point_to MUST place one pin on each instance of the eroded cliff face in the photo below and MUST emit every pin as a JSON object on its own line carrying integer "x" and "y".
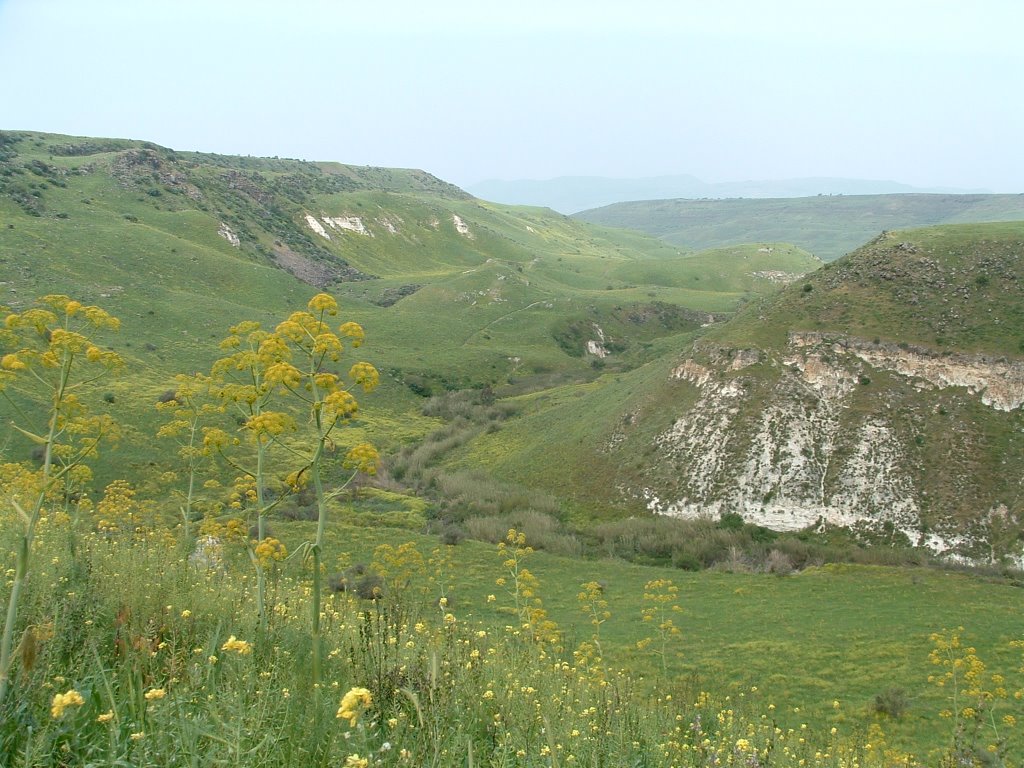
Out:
{"x": 831, "y": 430}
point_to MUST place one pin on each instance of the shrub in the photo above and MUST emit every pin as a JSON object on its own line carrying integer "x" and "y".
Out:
{"x": 452, "y": 535}
{"x": 730, "y": 521}
{"x": 169, "y": 396}
{"x": 892, "y": 702}
{"x": 778, "y": 563}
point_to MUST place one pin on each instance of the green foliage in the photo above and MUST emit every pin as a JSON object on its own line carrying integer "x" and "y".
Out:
{"x": 892, "y": 702}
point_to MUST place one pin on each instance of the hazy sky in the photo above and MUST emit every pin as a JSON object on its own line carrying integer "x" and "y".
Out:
{"x": 925, "y": 92}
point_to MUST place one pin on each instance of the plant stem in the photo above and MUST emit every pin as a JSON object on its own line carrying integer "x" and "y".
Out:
{"x": 25, "y": 543}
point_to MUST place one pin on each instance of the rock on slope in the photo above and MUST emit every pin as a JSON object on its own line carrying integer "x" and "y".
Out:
{"x": 884, "y": 393}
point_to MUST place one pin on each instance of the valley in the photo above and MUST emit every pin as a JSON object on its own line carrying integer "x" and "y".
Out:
{"x": 796, "y": 448}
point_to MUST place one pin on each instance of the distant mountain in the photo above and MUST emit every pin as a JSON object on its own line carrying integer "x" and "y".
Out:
{"x": 827, "y": 226}
{"x": 570, "y": 194}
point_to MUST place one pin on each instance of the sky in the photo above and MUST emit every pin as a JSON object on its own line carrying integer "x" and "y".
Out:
{"x": 924, "y": 92}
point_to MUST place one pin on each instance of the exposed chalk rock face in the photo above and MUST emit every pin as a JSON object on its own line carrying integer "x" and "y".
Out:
{"x": 693, "y": 372}
{"x": 743, "y": 358}
{"x": 390, "y": 223}
{"x": 461, "y": 226}
{"x": 774, "y": 275}
{"x": 998, "y": 381}
{"x": 596, "y": 346}
{"x": 316, "y": 226}
{"x": 800, "y": 439}
{"x": 227, "y": 234}
{"x": 1000, "y": 384}
{"x": 348, "y": 224}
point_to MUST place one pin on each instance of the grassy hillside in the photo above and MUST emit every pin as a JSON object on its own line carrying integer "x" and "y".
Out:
{"x": 900, "y": 326}
{"x": 183, "y": 245}
{"x": 568, "y": 335}
{"x": 955, "y": 287}
{"x": 827, "y": 226}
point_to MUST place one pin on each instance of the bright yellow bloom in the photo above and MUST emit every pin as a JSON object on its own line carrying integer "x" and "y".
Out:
{"x": 355, "y": 761}
{"x": 62, "y": 701}
{"x": 269, "y": 550}
{"x": 106, "y": 717}
{"x": 241, "y": 647}
{"x": 270, "y": 423}
{"x": 12, "y": 363}
{"x": 365, "y": 375}
{"x": 323, "y": 302}
{"x": 364, "y": 458}
{"x": 327, "y": 344}
{"x": 153, "y": 694}
{"x": 353, "y": 704}
{"x": 341, "y": 404}
{"x": 285, "y": 374}
{"x": 353, "y": 331}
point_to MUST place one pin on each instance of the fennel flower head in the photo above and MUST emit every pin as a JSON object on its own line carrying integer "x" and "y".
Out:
{"x": 353, "y": 704}
{"x": 62, "y": 701}
{"x": 241, "y": 647}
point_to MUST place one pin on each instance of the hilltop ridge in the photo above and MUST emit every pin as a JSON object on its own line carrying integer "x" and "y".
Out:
{"x": 826, "y": 225}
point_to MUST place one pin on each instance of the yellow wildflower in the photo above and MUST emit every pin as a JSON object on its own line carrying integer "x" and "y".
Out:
{"x": 154, "y": 694}
{"x": 12, "y": 363}
{"x": 355, "y": 761}
{"x": 323, "y": 302}
{"x": 341, "y": 403}
{"x": 354, "y": 331}
{"x": 364, "y": 458}
{"x": 241, "y": 647}
{"x": 270, "y": 549}
{"x": 62, "y": 701}
{"x": 365, "y": 375}
{"x": 353, "y": 704}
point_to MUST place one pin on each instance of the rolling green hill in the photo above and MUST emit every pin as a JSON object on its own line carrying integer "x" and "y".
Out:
{"x": 580, "y": 328}
{"x": 454, "y": 292}
{"x": 881, "y": 392}
{"x": 827, "y": 226}
{"x": 537, "y": 371}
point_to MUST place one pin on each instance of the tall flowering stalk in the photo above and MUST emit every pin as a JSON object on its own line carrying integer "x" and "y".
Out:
{"x": 314, "y": 347}
{"x": 51, "y": 356}
{"x": 244, "y": 380}
{"x": 660, "y": 597}
{"x": 186, "y": 412}
{"x": 524, "y": 588}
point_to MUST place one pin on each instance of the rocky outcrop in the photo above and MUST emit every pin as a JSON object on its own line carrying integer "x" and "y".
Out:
{"x": 226, "y": 232}
{"x": 792, "y": 440}
{"x": 998, "y": 382}
{"x": 348, "y": 223}
{"x": 461, "y": 226}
